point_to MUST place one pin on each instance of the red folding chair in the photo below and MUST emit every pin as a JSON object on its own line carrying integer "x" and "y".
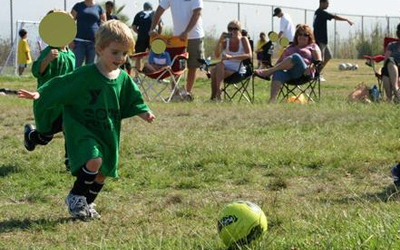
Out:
{"x": 372, "y": 61}
{"x": 155, "y": 85}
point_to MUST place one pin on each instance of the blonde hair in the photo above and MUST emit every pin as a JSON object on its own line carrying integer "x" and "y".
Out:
{"x": 236, "y": 23}
{"x": 114, "y": 31}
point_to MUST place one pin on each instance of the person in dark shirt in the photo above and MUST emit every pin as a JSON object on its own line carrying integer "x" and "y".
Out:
{"x": 267, "y": 50}
{"x": 321, "y": 16}
{"x": 88, "y": 16}
{"x": 110, "y": 10}
{"x": 141, "y": 26}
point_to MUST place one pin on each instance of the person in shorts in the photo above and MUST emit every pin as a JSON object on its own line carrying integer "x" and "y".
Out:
{"x": 188, "y": 24}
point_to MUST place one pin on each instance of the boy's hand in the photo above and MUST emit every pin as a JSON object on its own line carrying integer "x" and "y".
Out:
{"x": 148, "y": 116}
{"x": 22, "y": 93}
{"x": 52, "y": 55}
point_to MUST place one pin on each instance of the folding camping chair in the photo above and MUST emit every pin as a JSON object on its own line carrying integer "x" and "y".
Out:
{"x": 372, "y": 61}
{"x": 240, "y": 84}
{"x": 155, "y": 85}
{"x": 306, "y": 86}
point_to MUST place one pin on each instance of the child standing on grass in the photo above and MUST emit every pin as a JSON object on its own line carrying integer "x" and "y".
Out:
{"x": 52, "y": 62}
{"x": 95, "y": 99}
{"x": 24, "y": 52}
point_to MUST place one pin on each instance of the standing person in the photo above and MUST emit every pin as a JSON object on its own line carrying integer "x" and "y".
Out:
{"x": 188, "y": 24}
{"x": 24, "y": 52}
{"x": 109, "y": 11}
{"x": 141, "y": 26}
{"x": 95, "y": 98}
{"x": 286, "y": 27}
{"x": 321, "y": 30}
{"x": 88, "y": 16}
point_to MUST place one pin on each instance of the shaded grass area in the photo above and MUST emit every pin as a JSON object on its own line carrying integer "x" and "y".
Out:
{"x": 320, "y": 172}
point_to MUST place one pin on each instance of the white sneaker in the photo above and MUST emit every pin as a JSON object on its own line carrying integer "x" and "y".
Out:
{"x": 77, "y": 206}
{"x": 322, "y": 79}
{"x": 92, "y": 212}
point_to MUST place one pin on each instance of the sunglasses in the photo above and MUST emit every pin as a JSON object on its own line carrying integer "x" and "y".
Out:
{"x": 232, "y": 28}
{"x": 304, "y": 34}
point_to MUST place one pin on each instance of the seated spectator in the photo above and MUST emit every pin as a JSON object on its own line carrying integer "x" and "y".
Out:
{"x": 232, "y": 48}
{"x": 295, "y": 61}
{"x": 390, "y": 70}
{"x": 157, "y": 62}
{"x": 267, "y": 50}
{"x": 259, "y": 50}
{"x": 246, "y": 34}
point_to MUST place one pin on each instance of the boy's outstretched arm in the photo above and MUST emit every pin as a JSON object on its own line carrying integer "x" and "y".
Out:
{"x": 22, "y": 93}
{"x": 147, "y": 116}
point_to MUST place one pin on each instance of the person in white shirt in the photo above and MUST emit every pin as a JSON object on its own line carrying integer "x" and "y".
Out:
{"x": 188, "y": 24}
{"x": 287, "y": 28}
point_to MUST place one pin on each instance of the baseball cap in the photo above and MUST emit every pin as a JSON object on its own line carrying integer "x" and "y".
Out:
{"x": 277, "y": 11}
{"x": 147, "y": 6}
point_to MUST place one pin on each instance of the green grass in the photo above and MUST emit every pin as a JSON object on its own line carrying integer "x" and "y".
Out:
{"x": 320, "y": 172}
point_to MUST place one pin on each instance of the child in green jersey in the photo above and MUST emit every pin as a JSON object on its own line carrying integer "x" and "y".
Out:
{"x": 95, "y": 98}
{"x": 52, "y": 62}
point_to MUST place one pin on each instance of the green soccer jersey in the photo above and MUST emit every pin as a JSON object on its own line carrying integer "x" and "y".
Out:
{"x": 63, "y": 64}
{"x": 93, "y": 109}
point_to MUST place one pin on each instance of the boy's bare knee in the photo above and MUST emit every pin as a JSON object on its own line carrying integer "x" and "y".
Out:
{"x": 100, "y": 178}
{"x": 94, "y": 165}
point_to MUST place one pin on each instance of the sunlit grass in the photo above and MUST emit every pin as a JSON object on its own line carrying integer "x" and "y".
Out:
{"x": 320, "y": 172}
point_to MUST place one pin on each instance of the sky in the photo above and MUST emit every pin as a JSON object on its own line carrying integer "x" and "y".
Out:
{"x": 217, "y": 15}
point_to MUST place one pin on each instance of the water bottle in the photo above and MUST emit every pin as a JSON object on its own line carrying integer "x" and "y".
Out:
{"x": 182, "y": 64}
{"x": 375, "y": 94}
{"x": 208, "y": 60}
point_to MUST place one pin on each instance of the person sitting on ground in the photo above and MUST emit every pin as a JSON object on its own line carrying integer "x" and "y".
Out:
{"x": 233, "y": 48}
{"x": 295, "y": 61}
{"x": 390, "y": 70}
{"x": 157, "y": 62}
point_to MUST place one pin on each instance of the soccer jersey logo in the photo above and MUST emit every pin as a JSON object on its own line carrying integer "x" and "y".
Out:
{"x": 94, "y": 94}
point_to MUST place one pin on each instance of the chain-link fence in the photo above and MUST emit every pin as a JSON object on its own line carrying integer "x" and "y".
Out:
{"x": 255, "y": 18}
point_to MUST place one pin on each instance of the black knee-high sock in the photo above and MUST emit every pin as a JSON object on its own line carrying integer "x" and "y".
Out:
{"x": 83, "y": 181}
{"x": 40, "y": 139}
{"x": 94, "y": 190}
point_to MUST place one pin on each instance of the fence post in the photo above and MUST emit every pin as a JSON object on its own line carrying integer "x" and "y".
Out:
{"x": 388, "y": 26}
{"x": 334, "y": 39}
{"x": 238, "y": 17}
{"x": 11, "y": 23}
{"x": 272, "y": 18}
{"x": 362, "y": 28}
{"x": 305, "y": 16}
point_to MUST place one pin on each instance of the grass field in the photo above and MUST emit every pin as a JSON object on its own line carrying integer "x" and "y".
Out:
{"x": 320, "y": 172}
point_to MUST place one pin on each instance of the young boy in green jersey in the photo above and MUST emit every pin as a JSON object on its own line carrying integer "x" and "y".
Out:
{"x": 52, "y": 62}
{"x": 95, "y": 99}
